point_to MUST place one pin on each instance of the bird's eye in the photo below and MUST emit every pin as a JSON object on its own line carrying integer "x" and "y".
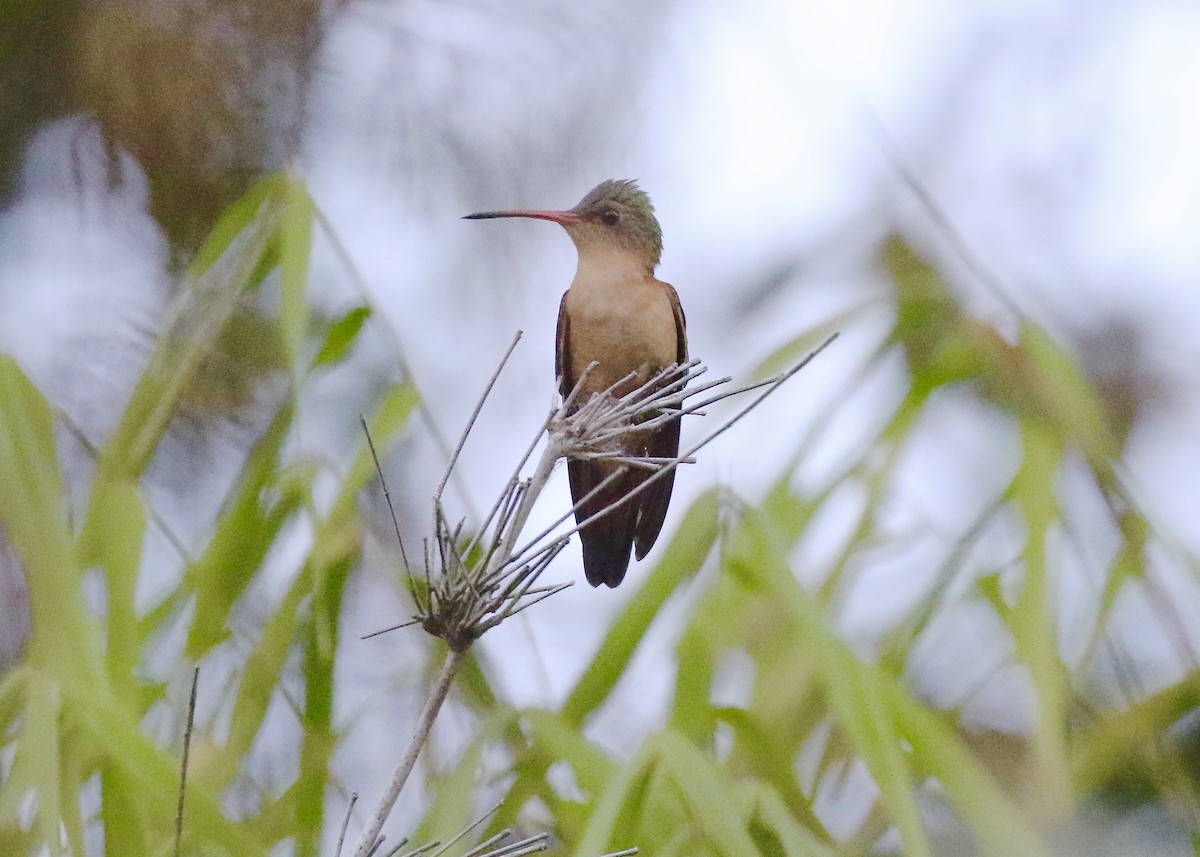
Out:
{"x": 610, "y": 216}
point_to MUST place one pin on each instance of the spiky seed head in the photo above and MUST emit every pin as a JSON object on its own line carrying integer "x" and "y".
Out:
{"x": 622, "y": 211}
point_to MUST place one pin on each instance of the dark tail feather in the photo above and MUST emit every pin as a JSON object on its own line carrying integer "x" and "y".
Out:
{"x": 608, "y": 541}
{"x": 653, "y": 511}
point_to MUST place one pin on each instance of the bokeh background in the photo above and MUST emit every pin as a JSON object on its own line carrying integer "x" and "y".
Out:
{"x": 926, "y": 178}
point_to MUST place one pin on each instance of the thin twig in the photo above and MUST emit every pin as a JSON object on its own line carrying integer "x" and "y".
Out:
{"x": 345, "y": 823}
{"x": 771, "y": 387}
{"x": 462, "y": 440}
{"x": 428, "y": 846}
{"x": 183, "y": 765}
{"x": 537, "y": 842}
{"x": 489, "y": 842}
{"x": 468, "y": 829}
{"x": 454, "y": 660}
{"x": 387, "y": 497}
{"x": 584, "y": 500}
{"x": 396, "y": 848}
{"x": 407, "y": 624}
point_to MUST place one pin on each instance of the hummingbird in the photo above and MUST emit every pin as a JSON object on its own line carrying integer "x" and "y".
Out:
{"x": 617, "y": 314}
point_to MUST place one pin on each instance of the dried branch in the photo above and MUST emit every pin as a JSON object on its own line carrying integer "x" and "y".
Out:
{"x": 471, "y": 588}
{"x": 368, "y": 840}
{"x": 345, "y": 823}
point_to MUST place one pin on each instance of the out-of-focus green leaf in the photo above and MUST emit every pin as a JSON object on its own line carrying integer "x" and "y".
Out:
{"x": 1118, "y": 740}
{"x": 259, "y": 679}
{"x": 317, "y": 745}
{"x": 772, "y": 813}
{"x": 249, "y": 524}
{"x": 74, "y": 772}
{"x": 1032, "y": 618}
{"x": 557, "y": 739}
{"x": 682, "y": 559}
{"x": 937, "y": 752}
{"x": 236, "y": 218}
{"x": 336, "y": 548}
{"x": 453, "y": 801}
{"x": 36, "y": 764}
{"x": 851, "y": 688}
{"x": 395, "y": 407}
{"x": 330, "y": 543}
{"x": 624, "y": 792}
{"x": 341, "y": 336}
{"x": 146, "y": 771}
{"x": 1066, "y": 394}
{"x": 773, "y": 763}
{"x": 706, "y": 795}
{"x": 33, "y": 510}
{"x": 124, "y": 526}
{"x": 930, "y": 326}
{"x": 295, "y": 232}
{"x": 785, "y": 356}
{"x": 33, "y": 500}
{"x": 12, "y": 693}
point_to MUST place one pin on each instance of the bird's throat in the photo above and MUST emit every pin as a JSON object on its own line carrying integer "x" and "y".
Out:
{"x": 621, "y": 318}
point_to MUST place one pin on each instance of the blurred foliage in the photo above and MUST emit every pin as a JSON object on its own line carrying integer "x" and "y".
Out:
{"x": 717, "y": 778}
{"x": 75, "y": 711}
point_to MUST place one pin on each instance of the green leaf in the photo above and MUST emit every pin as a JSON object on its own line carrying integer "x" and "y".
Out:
{"x": 236, "y": 219}
{"x": 773, "y": 813}
{"x": 785, "y": 356}
{"x": 453, "y": 800}
{"x": 151, "y": 776}
{"x": 341, "y": 336}
{"x": 1118, "y": 741}
{"x": 1064, "y": 393}
{"x": 1032, "y": 618}
{"x": 248, "y": 526}
{"x": 33, "y": 505}
{"x": 124, "y": 525}
{"x": 773, "y": 762}
{"x": 36, "y": 765}
{"x": 706, "y": 795}
{"x": 259, "y": 679}
{"x": 1000, "y": 826}
{"x": 295, "y": 232}
{"x": 852, "y": 688}
{"x": 624, "y": 792}
{"x": 685, "y": 553}
{"x": 553, "y": 737}
{"x": 319, "y": 739}
{"x": 33, "y": 510}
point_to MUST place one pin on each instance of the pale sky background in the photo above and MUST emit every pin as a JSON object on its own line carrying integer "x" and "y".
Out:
{"x": 1059, "y": 138}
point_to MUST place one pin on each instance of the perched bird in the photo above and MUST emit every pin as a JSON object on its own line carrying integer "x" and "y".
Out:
{"x": 619, "y": 315}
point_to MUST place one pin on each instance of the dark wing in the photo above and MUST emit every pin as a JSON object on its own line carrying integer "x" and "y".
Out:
{"x": 562, "y": 350}
{"x": 662, "y": 443}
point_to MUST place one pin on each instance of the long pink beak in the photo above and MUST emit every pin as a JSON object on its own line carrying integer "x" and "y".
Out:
{"x": 565, "y": 218}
